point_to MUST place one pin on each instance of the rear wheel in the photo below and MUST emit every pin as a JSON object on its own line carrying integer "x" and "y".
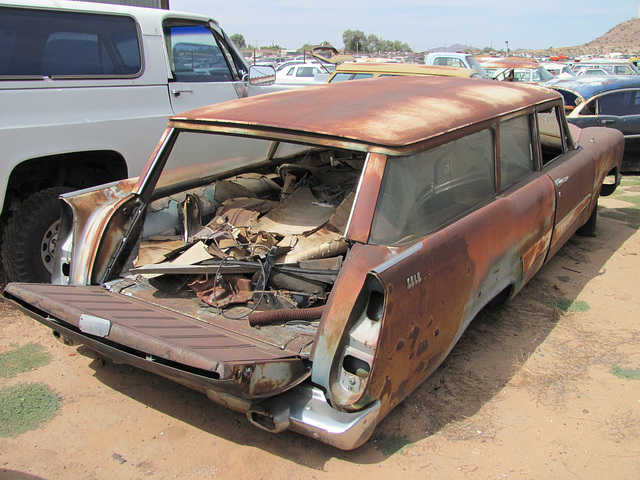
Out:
{"x": 589, "y": 228}
{"x": 30, "y": 237}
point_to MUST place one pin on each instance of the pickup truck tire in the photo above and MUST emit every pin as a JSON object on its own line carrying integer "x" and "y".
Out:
{"x": 30, "y": 237}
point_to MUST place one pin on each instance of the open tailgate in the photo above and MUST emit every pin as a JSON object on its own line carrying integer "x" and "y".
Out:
{"x": 189, "y": 351}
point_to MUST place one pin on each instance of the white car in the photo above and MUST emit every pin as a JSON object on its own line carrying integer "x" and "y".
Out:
{"x": 560, "y": 70}
{"x": 302, "y": 74}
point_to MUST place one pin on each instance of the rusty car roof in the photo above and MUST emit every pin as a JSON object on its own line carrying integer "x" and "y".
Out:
{"x": 391, "y": 113}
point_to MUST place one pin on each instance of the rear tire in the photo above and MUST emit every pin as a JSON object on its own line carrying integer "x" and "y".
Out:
{"x": 589, "y": 228}
{"x": 30, "y": 237}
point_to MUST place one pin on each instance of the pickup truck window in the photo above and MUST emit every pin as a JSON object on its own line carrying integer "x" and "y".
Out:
{"x": 449, "y": 62}
{"x": 197, "y": 56}
{"x": 68, "y": 44}
{"x": 516, "y": 152}
{"x": 423, "y": 192}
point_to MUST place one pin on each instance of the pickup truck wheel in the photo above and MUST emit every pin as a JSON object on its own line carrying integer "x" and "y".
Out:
{"x": 30, "y": 237}
{"x": 589, "y": 228}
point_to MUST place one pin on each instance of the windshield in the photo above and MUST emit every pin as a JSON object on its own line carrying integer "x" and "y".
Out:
{"x": 197, "y": 157}
{"x": 541, "y": 74}
{"x": 476, "y": 66}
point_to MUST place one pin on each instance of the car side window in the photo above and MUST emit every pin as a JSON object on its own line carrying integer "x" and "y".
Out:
{"x": 620, "y": 103}
{"x": 68, "y": 44}
{"x": 553, "y": 139}
{"x": 420, "y": 193}
{"x": 589, "y": 108}
{"x": 306, "y": 72}
{"x": 449, "y": 61}
{"x": 516, "y": 150}
{"x": 196, "y": 55}
{"x": 341, "y": 77}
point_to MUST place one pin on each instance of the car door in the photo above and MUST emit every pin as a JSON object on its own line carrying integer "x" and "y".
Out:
{"x": 621, "y": 110}
{"x": 573, "y": 175}
{"x": 203, "y": 68}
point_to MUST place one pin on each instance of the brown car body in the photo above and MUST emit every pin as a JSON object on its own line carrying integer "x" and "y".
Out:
{"x": 451, "y": 194}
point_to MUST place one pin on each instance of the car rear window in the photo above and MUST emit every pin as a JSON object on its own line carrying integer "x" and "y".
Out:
{"x": 47, "y": 43}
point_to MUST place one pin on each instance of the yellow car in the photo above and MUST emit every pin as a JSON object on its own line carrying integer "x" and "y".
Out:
{"x": 355, "y": 71}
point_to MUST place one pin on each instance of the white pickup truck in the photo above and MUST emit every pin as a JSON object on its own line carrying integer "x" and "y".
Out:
{"x": 455, "y": 59}
{"x": 86, "y": 90}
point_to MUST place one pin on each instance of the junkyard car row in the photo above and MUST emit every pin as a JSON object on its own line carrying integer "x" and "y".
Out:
{"x": 310, "y": 257}
{"x": 612, "y": 101}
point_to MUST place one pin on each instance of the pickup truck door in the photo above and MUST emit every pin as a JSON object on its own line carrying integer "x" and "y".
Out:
{"x": 203, "y": 69}
{"x": 573, "y": 175}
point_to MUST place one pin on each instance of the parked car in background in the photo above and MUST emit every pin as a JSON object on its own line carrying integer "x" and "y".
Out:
{"x": 515, "y": 69}
{"x": 609, "y": 101}
{"x": 86, "y": 90}
{"x": 591, "y": 72}
{"x": 455, "y": 59}
{"x": 303, "y": 74}
{"x": 610, "y": 67}
{"x": 288, "y": 63}
{"x": 356, "y": 71}
{"x": 310, "y": 257}
{"x": 560, "y": 70}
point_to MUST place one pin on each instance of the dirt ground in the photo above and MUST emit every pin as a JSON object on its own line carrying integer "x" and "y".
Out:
{"x": 534, "y": 390}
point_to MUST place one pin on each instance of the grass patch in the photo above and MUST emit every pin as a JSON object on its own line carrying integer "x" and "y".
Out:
{"x": 23, "y": 359}
{"x": 566, "y": 305}
{"x": 25, "y": 407}
{"x": 626, "y": 373}
{"x": 629, "y": 191}
{"x": 629, "y": 216}
{"x": 390, "y": 444}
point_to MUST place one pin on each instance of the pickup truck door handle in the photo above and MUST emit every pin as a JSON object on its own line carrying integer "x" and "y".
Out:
{"x": 177, "y": 92}
{"x": 604, "y": 121}
{"x": 560, "y": 181}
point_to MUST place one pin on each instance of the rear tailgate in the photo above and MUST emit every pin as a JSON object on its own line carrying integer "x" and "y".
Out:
{"x": 197, "y": 354}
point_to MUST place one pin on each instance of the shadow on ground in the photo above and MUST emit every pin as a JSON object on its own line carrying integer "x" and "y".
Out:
{"x": 482, "y": 363}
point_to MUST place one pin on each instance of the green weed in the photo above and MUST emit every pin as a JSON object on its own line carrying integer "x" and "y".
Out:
{"x": 23, "y": 359}
{"x": 626, "y": 373}
{"x": 25, "y": 407}
{"x": 566, "y": 305}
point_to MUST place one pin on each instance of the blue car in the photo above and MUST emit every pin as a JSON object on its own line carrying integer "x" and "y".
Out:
{"x": 609, "y": 101}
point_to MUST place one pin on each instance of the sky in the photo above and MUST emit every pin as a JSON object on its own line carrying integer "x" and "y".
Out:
{"x": 422, "y": 24}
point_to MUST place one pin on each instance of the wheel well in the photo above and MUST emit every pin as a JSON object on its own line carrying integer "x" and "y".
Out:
{"x": 75, "y": 170}
{"x": 501, "y": 298}
{"x": 611, "y": 181}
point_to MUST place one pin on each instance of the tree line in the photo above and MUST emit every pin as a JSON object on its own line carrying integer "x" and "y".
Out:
{"x": 355, "y": 41}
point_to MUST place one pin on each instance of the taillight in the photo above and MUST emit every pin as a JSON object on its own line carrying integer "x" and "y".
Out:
{"x": 351, "y": 373}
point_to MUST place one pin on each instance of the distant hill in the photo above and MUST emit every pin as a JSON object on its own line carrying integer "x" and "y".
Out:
{"x": 623, "y": 38}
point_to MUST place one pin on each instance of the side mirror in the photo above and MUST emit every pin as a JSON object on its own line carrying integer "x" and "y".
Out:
{"x": 262, "y": 75}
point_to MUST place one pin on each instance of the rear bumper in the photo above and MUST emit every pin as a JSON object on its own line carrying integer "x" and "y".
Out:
{"x": 303, "y": 408}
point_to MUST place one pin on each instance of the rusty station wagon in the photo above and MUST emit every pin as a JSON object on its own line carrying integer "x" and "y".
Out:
{"x": 310, "y": 257}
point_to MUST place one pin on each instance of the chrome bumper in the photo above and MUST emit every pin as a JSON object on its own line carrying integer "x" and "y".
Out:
{"x": 304, "y": 409}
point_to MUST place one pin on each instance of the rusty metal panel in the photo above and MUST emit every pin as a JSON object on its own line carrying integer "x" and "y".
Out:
{"x": 146, "y": 327}
{"x": 365, "y": 204}
{"x": 389, "y": 112}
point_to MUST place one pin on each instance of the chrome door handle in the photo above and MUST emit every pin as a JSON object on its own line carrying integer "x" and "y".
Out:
{"x": 176, "y": 92}
{"x": 560, "y": 181}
